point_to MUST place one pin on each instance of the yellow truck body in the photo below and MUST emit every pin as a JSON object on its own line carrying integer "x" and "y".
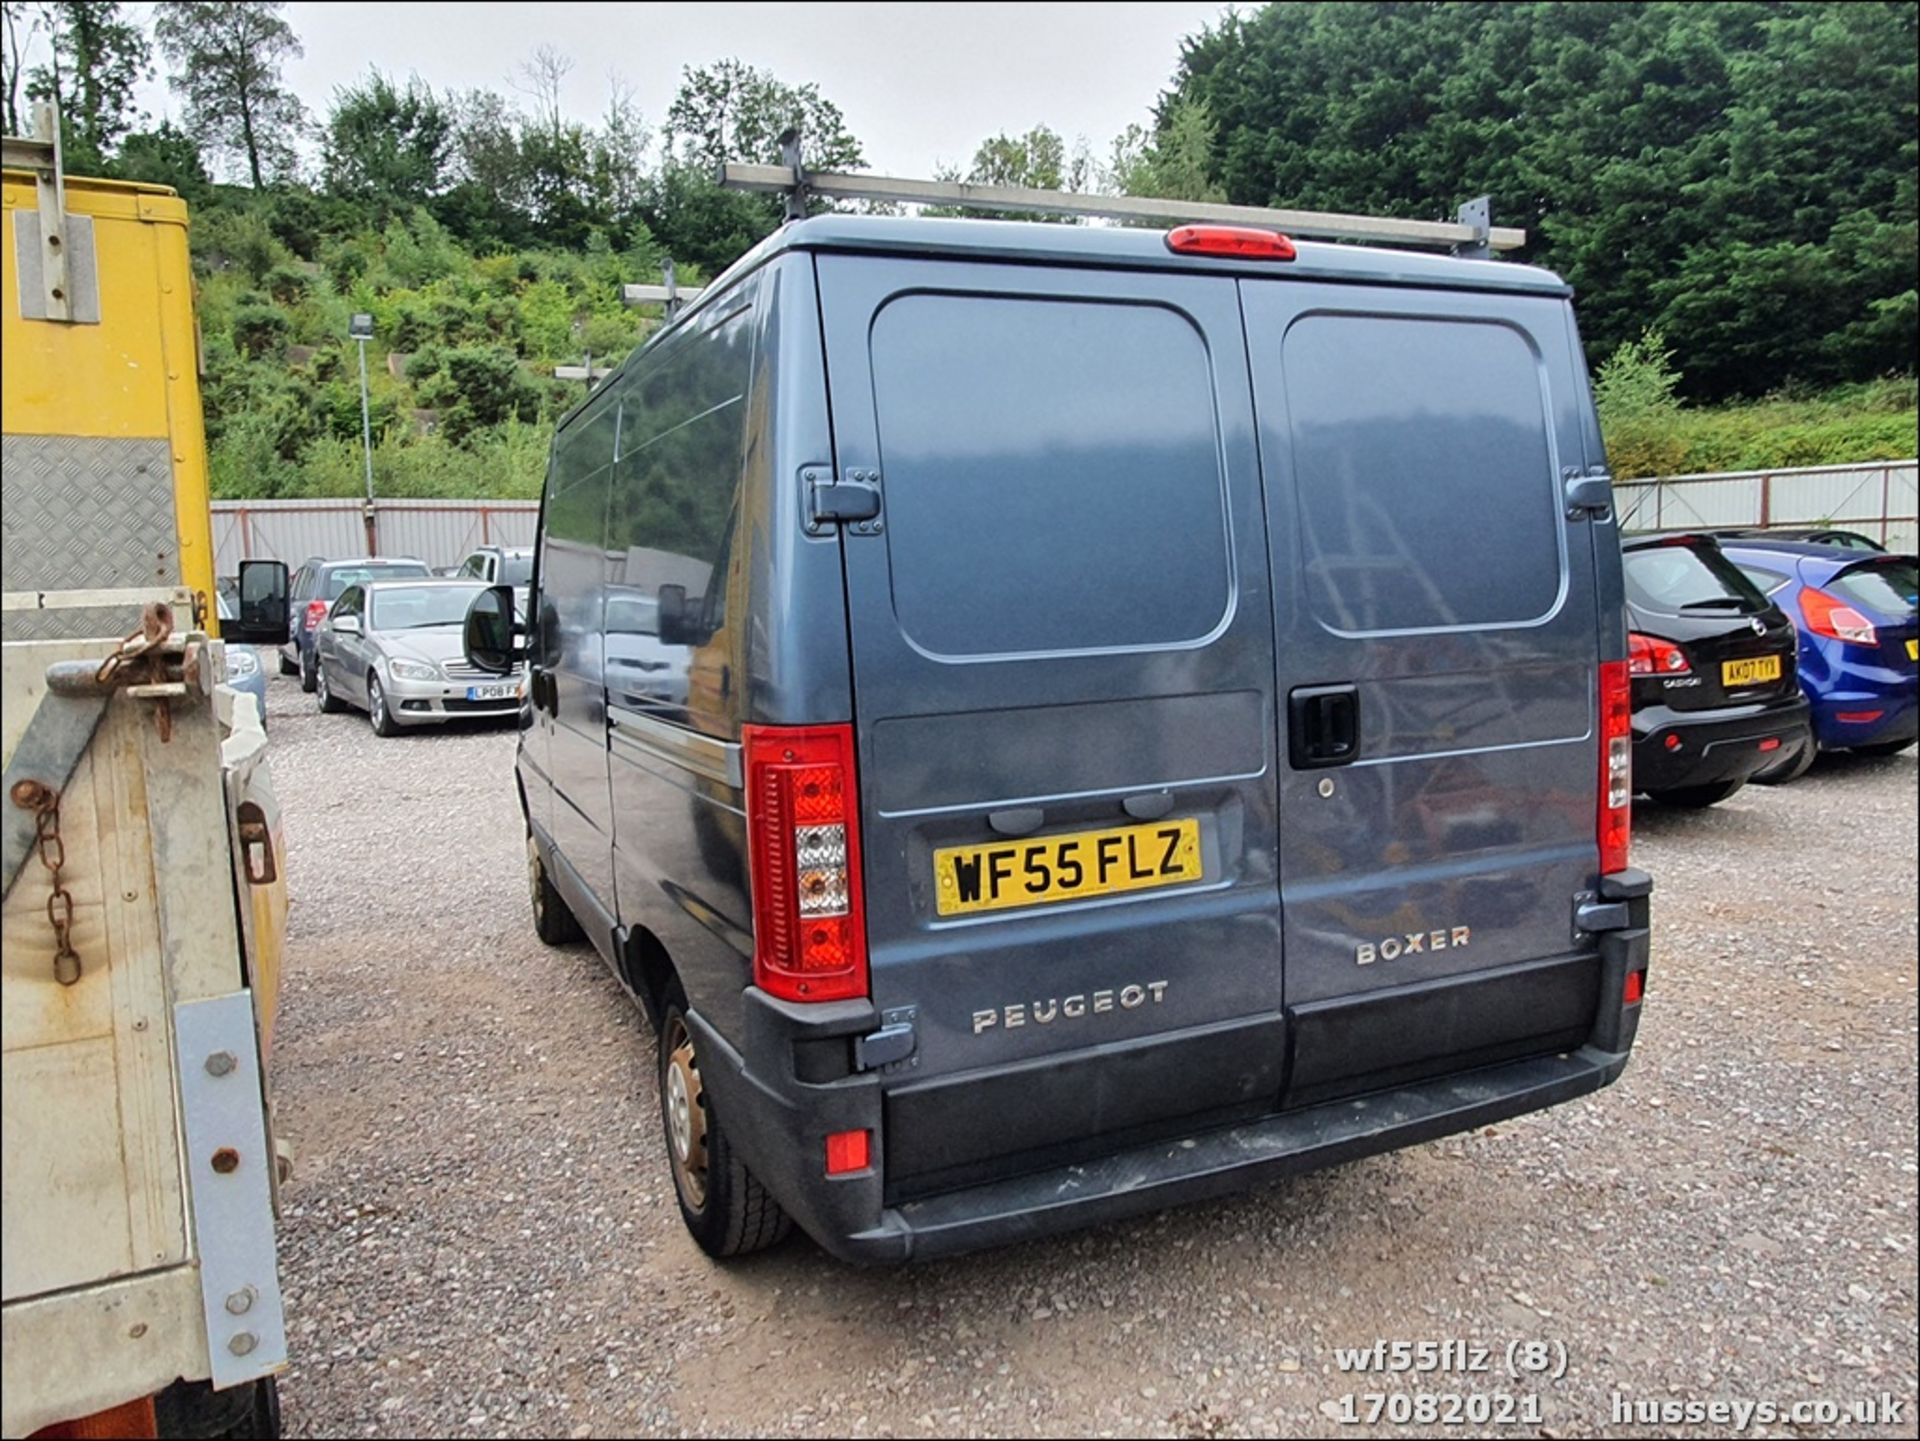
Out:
{"x": 140, "y": 1172}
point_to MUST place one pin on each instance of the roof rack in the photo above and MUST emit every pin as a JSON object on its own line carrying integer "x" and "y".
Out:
{"x": 1472, "y": 234}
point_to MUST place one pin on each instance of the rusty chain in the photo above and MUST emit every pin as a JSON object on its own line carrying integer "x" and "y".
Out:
{"x": 44, "y": 802}
{"x": 141, "y": 657}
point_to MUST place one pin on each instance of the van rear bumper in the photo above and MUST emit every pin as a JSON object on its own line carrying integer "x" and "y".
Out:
{"x": 779, "y": 1129}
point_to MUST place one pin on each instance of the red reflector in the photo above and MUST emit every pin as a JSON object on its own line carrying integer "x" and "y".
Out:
{"x": 848, "y": 1151}
{"x": 1615, "y": 801}
{"x": 1636, "y": 988}
{"x": 1243, "y": 242}
{"x": 803, "y": 830}
{"x": 1771, "y": 743}
{"x": 1858, "y": 717}
{"x": 1672, "y": 743}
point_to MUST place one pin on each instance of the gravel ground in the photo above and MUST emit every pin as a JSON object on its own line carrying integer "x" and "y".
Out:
{"x": 480, "y": 1236}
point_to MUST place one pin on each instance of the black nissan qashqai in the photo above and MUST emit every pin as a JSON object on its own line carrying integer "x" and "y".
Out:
{"x": 1715, "y": 694}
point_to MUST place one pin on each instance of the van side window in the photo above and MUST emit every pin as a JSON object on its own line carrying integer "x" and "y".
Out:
{"x": 675, "y": 485}
{"x": 1055, "y": 462}
{"x": 1425, "y": 478}
{"x": 573, "y": 564}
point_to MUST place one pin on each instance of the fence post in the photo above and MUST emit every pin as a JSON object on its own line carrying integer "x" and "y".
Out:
{"x": 1886, "y": 502}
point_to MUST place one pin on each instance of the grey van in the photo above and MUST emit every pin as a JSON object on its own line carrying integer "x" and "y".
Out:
{"x": 1051, "y": 722}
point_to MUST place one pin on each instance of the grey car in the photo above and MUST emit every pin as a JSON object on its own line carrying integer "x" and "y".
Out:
{"x": 392, "y": 648}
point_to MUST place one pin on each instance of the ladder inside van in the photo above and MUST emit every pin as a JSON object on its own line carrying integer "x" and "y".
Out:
{"x": 1471, "y": 234}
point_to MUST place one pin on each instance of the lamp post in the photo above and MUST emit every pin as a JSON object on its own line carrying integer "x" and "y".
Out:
{"x": 360, "y": 328}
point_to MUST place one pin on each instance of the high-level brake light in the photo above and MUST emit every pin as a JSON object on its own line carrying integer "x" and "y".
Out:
{"x": 1615, "y": 822}
{"x": 803, "y": 829}
{"x": 1235, "y": 242}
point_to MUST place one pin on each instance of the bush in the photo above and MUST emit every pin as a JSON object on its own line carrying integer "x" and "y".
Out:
{"x": 259, "y": 330}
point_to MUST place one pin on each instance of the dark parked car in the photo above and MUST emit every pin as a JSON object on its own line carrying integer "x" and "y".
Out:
{"x": 1817, "y": 535}
{"x": 1715, "y": 696}
{"x": 1858, "y": 642}
{"x": 312, "y": 592}
{"x": 1039, "y": 717}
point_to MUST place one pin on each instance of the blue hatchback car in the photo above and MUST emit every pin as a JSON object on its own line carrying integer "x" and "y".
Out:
{"x": 1856, "y": 614}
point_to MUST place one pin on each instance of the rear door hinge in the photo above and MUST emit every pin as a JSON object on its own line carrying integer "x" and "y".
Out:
{"x": 892, "y": 1047}
{"x": 852, "y": 500}
{"x": 1591, "y": 914}
{"x": 1588, "y": 492}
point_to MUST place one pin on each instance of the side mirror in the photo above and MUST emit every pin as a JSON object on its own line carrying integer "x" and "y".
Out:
{"x": 345, "y": 624}
{"x": 489, "y": 632}
{"x": 679, "y": 617}
{"x": 263, "y": 604}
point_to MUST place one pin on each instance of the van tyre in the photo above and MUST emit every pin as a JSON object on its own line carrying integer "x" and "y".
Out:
{"x": 727, "y": 1211}
{"x": 194, "y": 1411}
{"x": 1697, "y": 798}
{"x": 553, "y": 919}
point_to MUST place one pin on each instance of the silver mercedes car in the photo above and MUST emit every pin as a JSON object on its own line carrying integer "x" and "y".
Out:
{"x": 393, "y": 649}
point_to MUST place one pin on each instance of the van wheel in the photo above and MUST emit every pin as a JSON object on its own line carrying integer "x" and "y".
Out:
{"x": 1883, "y": 748}
{"x": 1791, "y": 769}
{"x": 1697, "y": 798}
{"x": 553, "y": 919}
{"x": 193, "y": 1409}
{"x": 727, "y": 1210}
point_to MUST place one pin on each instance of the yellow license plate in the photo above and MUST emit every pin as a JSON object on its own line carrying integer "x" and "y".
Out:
{"x": 1751, "y": 671}
{"x": 1071, "y": 867}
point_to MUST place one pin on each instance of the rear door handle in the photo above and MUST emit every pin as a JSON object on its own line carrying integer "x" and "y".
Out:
{"x": 1323, "y": 725}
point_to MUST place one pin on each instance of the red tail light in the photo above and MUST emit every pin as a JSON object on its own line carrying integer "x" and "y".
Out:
{"x": 803, "y": 829}
{"x": 1616, "y": 766}
{"x": 1236, "y": 242}
{"x": 1832, "y": 617}
{"x": 1650, "y": 655}
{"x": 316, "y": 612}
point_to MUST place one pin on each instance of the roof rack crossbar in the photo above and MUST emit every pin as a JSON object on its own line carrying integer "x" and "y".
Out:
{"x": 1472, "y": 234}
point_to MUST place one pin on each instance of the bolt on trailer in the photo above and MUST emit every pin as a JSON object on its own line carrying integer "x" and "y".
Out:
{"x": 1051, "y": 721}
{"x": 144, "y": 905}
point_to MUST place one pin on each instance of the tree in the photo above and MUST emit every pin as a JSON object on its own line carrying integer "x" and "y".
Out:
{"x": 98, "y": 56}
{"x": 732, "y": 111}
{"x": 22, "y": 21}
{"x": 227, "y": 57}
{"x": 166, "y": 155}
{"x": 1173, "y": 163}
{"x": 1740, "y": 175}
{"x": 387, "y": 148}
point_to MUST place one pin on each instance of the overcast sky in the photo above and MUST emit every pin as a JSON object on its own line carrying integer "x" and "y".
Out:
{"x": 919, "y": 84}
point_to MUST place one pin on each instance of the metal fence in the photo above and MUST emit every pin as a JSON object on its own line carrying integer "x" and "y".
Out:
{"x": 1878, "y": 498}
{"x": 439, "y": 532}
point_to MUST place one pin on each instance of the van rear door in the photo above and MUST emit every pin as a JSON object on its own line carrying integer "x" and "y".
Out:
{"x": 1438, "y": 639}
{"x": 1063, "y": 675}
